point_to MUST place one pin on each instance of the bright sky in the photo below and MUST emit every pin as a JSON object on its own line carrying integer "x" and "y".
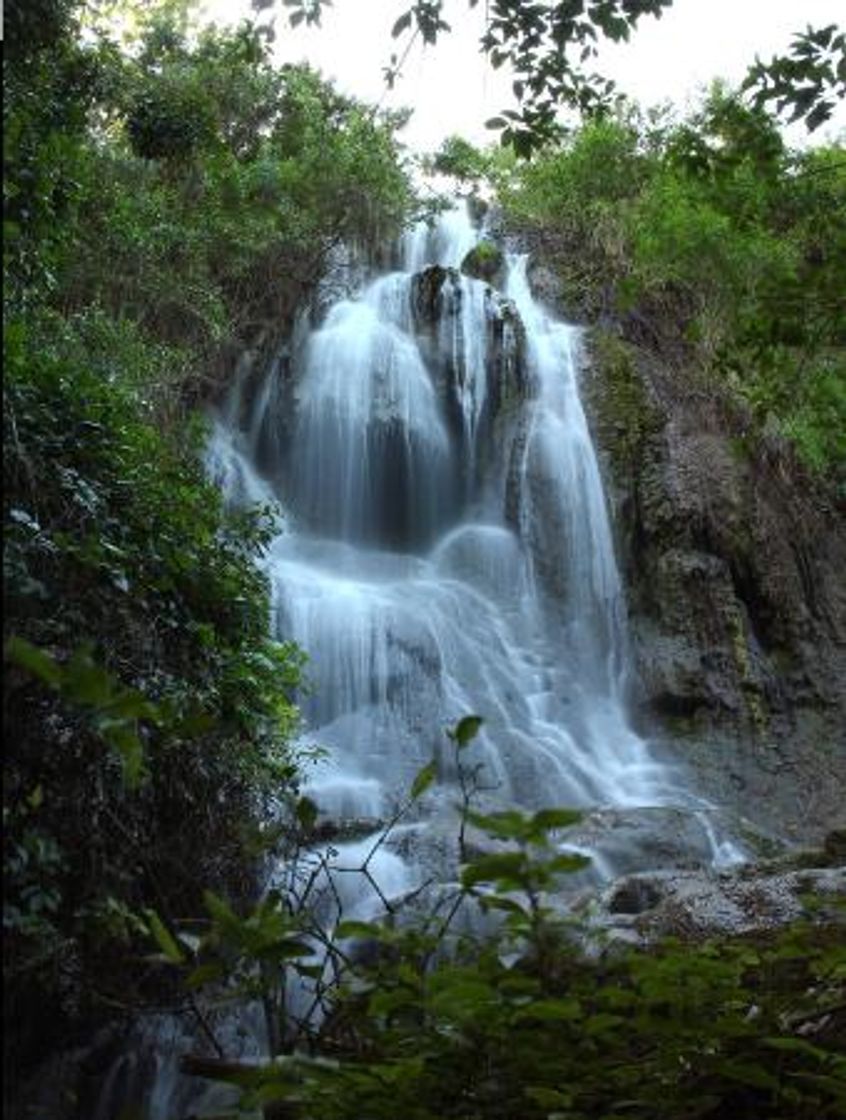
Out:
{"x": 452, "y": 90}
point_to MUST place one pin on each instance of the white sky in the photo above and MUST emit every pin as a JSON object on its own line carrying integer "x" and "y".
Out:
{"x": 453, "y": 90}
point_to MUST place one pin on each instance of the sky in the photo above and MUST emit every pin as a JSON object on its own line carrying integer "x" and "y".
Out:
{"x": 453, "y": 90}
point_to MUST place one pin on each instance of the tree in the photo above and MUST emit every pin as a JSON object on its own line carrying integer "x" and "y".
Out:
{"x": 807, "y": 81}
{"x": 548, "y": 45}
{"x": 163, "y": 203}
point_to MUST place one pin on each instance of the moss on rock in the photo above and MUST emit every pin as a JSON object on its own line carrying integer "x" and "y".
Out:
{"x": 485, "y": 262}
{"x": 623, "y": 414}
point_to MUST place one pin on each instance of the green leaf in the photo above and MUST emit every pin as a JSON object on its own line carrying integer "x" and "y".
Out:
{"x": 310, "y": 971}
{"x": 424, "y": 779}
{"x": 208, "y": 973}
{"x": 567, "y": 863}
{"x": 797, "y": 1046}
{"x": 124, "y": 740}
{"x": 34, "y": 660}
{"x": 557, "y": 818}
{"x": 288, "y": 948}
{"x": 602, "y": 1023}
{"x": 747, "y": 1074}
{"x": 832, "y": 1084}
{"x": 506, "y": 869}
{"x": 402, "y": 24}
{"x": 548, "y": 1098}
{"x": 221, "y": 911}
{"x": 359, "y": 929}
{"x": 549, "y": 1011}
{"x": 462, "y": 997}
{"x": 466, "y": 730}
{"x": 164, "y": 938}
{"x": 509, "y": 824}
{"x": 306, "y": 813}
{"x": 507, "y": 905}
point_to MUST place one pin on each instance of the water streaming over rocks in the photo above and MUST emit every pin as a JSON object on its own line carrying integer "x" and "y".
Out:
{"x": 449, "y": 552}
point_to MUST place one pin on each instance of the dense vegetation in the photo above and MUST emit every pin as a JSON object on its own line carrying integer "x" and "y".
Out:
{"x": 169, "y": 202}
{"x": 165, "y": 202}
{"x": 709, "y": 241}
{"x": 538, "y": 1017}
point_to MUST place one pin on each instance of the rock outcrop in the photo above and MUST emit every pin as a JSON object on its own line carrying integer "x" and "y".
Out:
{"x": 734, "y": 565}
{"x": 485, "y": 262}
{"x": 695, "y": 905}
{"x": 437, "y": 300}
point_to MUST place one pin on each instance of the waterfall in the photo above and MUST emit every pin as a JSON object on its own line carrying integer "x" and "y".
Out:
{"x": 446, "y": 550}
{"x": 449, "y": 551}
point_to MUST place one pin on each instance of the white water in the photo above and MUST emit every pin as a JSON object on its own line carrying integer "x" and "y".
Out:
{"x": 452, "y": 554}
{"x": 447, "y": 551}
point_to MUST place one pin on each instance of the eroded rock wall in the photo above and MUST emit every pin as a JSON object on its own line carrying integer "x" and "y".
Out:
{"x": 735, "y": 568}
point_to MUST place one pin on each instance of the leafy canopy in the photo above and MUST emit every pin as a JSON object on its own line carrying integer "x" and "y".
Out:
{"x": 548, "y": 45}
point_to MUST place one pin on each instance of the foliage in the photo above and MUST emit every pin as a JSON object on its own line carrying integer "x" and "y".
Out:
{"x": 714, "y": 241}
{"x": 546, "y": 46}
{"x": 141, "y": 684}
{"x": 167, "y": 197}
{"x": 191, "y": 186}
{"x": 461, "y": 160}
{"x": 807, "y": 81}
{"x": 30, "y": 26}
{"x": 536, "y": 1017}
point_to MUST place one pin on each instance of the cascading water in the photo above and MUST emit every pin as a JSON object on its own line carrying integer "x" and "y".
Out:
{"x": 450, "y": 553}
{"x": 447, "y": 551}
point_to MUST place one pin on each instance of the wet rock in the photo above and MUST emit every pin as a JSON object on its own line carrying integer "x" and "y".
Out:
{"x": 426, "y": 288}
{"x": 732, "y": 561}
{"x": 622, "y": 840}
{"x": 634, "y": 896}
{"x": 346, "y": 270}
{"x": 509, "y": 381}
{"x": 546, "y": 285}
{"x": 698, "y": 904}
{"x": 478, "y": 208}
{"x": 438, "y": 296}
{"x": 345, "y": 830}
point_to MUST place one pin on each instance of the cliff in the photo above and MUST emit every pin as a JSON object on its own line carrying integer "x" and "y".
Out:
{"x": 733, "y": 559}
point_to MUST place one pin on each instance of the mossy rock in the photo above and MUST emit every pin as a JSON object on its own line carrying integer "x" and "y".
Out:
{"x": 485, "y": 262}
{"x": 624, "y": 415}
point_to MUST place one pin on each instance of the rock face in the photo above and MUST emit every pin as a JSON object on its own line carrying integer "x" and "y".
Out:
{"x": 734, "y": 567}
{"x": 438, "y": 298}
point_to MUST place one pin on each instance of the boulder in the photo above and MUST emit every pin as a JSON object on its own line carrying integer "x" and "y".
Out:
{"x": 486, "y": 261}
{"x": 695, "y": 905}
